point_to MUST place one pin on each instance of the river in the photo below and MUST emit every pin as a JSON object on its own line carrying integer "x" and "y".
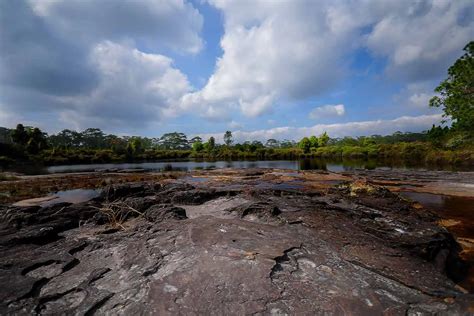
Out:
{"x": 188, "y": 165}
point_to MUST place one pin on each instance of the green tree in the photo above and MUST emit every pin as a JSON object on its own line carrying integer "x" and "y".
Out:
{"x": 323, "y": 139}
{"x": 136, "y": 146}
{"x": 196, "y": 139}
{"x": 305, "y": 144}
{"x": 174, "y": 141}
{"x": 20, "y": 135}
{"x": 272, "y": 143}
{"x": 456, "y": 93}
{"x": 314, "y": 141}
{"x": 211, "y": 143}
{"x": 228, "y": 138}
{"x": 198, "y": 146}
{"x": 36, "y": 141}
{"x": 93, "y": 138}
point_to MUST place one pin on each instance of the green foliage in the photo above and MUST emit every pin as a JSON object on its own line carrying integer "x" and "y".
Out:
{"x": 198, "y": 146}
{"x": 174, "y": 141}
{"x": 314, "y": 142}
{"x": 228, "y": 139}
{"x": 456, "y": 93}
{"x": 272, "y": 143}
{"x": 70, "y": 147}
{"x": 210, "y": 145}
{"x": 323, "y": 139}
{"x": 305, "y": 145}
{"x": 20, "y": 135}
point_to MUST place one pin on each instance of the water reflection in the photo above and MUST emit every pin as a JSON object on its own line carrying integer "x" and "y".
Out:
{"x": 338, "y": 165}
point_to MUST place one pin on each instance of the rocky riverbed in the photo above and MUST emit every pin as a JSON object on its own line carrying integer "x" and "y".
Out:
{"x": 234, "y": 242}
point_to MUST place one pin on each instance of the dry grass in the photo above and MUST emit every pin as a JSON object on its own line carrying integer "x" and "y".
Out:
{"x": 117, "y": 212}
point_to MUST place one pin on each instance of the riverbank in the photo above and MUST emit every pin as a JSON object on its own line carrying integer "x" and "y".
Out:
{"x": 412, "y": 153}
{"x": 340, "y": 241}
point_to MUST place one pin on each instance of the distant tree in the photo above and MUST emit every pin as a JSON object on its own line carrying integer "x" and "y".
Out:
{"x": 210, "y": 145}
{"x": 136, "y": 145}
{"x": 20, "y": 135}
{"x": 314, "y": 141}
{"x": 93, "y": 138}
{"x": 305, "y": 144}
{"x": 36, "y": 141}
{"x": 287, "y": 143}
{"x": 436, "y": 134}
{"x": 272, "y": 143}
{"x": 228, "y": 139}
{"x": 457, "y": 92}
{"x": 323, "y": 139}
{"x": 195, "y": 139}
{"x": 174, "y": 141}
{"x": 198, "y": 146}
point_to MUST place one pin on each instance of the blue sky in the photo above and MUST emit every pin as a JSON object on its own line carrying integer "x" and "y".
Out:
{"x": 282, "y": 69}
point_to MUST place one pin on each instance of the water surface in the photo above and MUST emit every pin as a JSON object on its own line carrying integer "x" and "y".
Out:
{"x": 188, "y": 165}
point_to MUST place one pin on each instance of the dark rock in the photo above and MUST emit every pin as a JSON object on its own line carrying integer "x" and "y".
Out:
{"x": 260, "y": 211}
{"x": 333, "y": 254}
{"x": 194, "y": 197}
{"x": 140, "y": 204}
{"x": 161, "y": 212}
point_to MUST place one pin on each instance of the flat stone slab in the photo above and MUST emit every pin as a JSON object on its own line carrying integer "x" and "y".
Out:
{"x": 230, "y": 246}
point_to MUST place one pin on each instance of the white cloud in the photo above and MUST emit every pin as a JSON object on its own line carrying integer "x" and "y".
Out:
{"x": 174, "y": 24}
{"x": 420, "y": 99}
{"x": 134, "y": 87}
{"x": 287, "y": 50}
{"x": 381, "y": 127}
{"x": 272, "y": 51}
{"x": 422, "y": 38}
{"x": 328, "y": 110}
{"x": 235, "y": 125}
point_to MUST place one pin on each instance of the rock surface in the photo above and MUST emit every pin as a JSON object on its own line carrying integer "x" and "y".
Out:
{"x": 235, "y": 242}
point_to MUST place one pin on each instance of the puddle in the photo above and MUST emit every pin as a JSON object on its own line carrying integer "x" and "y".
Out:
{"x": 192, "y": 179}
{"x": 70, "y": 196}
{"x": 457, "y": 215}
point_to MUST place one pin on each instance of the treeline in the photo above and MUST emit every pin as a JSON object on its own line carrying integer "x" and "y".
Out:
{"x": 30, "y": 144}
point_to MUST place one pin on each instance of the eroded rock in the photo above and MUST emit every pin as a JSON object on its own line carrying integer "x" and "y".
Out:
{"x": 245, "y": 248}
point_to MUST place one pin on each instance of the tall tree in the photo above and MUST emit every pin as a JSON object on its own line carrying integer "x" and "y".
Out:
{"x": 272, "y": 143}
{"x": 314, "y": 141}
{"x": 20, "y": 135}
{"x": 323, "y": 139}
{"x": 211, "y": 144}
{"x": 228, "y": 139}
{"x": 305, "y": 144}
{"x": 174, "y": 141}
{"x": 456, "y": 93}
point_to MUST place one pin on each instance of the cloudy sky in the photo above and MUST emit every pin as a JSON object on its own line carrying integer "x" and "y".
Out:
{"x": 280, "y": 69}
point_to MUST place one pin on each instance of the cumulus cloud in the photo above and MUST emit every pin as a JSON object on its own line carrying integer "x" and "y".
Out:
{"x": 88, "y": 62}
{"x": 380, "y": 127}
{"x": 171, "y": 23}
{"x": 235, "y": 125}
{"x": 328, "y": 110}
{"x": 133, "y": 87}
{"x": 272, "y": 51}
{"x": 289, "y": 50}
{"x": 75, "y": 61}
{"x": 421, "y": 39}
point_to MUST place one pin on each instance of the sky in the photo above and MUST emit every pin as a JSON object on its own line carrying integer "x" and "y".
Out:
{"x": 260, "y": 68}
